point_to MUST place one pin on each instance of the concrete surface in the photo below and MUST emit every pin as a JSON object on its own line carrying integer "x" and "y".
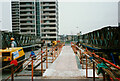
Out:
{"x": 64, "y": 66}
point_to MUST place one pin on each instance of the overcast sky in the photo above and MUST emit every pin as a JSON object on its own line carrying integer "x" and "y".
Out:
{"x": 85, "y": 16}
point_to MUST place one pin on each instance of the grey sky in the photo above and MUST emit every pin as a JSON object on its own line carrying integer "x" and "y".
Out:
{"x": 88, "y": 16}
{"x": 5, "y": 16}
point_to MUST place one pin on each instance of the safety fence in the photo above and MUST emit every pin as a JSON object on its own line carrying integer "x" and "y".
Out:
{"x": 41, "y": 57}
{"x": 109, "y": 70}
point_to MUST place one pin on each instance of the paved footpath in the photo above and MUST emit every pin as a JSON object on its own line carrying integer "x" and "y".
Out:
{"x": 65, "y": 66}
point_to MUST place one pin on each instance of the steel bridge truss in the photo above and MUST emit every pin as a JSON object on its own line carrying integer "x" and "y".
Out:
{"x": 105, "y": 38}
{"x": 21, "y": 40}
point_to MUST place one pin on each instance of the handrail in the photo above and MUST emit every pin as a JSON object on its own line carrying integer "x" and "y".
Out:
{"x": 38, "y": 55}
{"x": 104, "y": 59}
{"x": 106, "y": 70}
{"x": 13, "y": 64}
{"x": 7, "y": 66}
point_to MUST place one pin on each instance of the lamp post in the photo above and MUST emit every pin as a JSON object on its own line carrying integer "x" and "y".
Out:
{"x": 78, "y": 34}
{"x": 64, "y": 37}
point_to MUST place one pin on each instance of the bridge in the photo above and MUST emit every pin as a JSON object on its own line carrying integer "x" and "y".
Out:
{"x": 24, "y": 41}
{"x": 91, "y": 59}
{"x": 65, "y": 62}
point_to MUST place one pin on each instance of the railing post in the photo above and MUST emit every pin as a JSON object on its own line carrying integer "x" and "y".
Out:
{"x": 82, "y": 61}
{"x": 41, "y": 63}
{"x": 93, "y": 69}
{"x": 12, "y": 70}
{"x": 108, "y": 77}
{"x": 80, "y": 56}
{"x": 55, "y": 53}
{"x": 103, "y": 72}
{"x": 46, "y": 57}
{"x": 52, "y": 54}
{"x": 86, "y": 67}
{"x": 59, "y": 49}
{"x": 103, "y": 76}
{"x": 32, "y": 68}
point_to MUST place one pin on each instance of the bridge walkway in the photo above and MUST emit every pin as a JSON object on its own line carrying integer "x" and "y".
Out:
{"x": 65, "y": 66}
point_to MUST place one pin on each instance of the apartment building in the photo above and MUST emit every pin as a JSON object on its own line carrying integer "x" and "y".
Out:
{"x": 26, "y": 17}
{"x": 36, "y": 17}
{"x": 49, "y": 20}
{"x": 15, "y": 17}
{"x": 119, "y": 13}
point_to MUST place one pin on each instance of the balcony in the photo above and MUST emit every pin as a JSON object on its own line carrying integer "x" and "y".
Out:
{"x": 27, "y": 23}
{"x": 49, "y": 32}
{"x": 16, "y": 2}
{"x": 48, "y": 37}
{"x": 26, "y": 14}
{"x": 49, "y": 9}
{"x": 48, "y": 18}
{"x": 26, "y": 9}
{"x": 27, "y": 28}
{"x": 26, "y": 5}
{"x": 27, "y": 33}
{"x": 15, "y": 19}
{"x": 48, "y": 27}
{"x": 15, "y": 8}
{"x": 15, "y": 24}
{"x": 15, "y": 11}
{"x": 26, "y": 19}
{"x": 48, "y": 4}
{"x": 44, "y": 14}
{"x": 48, "y": 23}
{"x": 15, "y": 28}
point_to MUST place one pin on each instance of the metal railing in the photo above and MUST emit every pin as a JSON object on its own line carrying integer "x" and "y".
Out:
{"x": 42, "y": 56}
{"x": 96, "y": 59}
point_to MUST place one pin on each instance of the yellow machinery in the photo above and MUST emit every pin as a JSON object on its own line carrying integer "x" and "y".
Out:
{"x": 10, "y": 54}
{"x": 54, "y": 43}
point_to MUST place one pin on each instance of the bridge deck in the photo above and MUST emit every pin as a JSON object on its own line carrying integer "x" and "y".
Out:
{"x": 64, "y": 66}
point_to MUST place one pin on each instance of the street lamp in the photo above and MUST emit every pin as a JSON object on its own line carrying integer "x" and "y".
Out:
{"x": 64, "y": 37}
{"x": 78, "y": 34}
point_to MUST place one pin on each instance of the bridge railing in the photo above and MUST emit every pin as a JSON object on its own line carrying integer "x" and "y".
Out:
{"x": 97, "y": 60}
{"x": 107, "y": 38}
{"x": 21, "y": 40}
{"x": 42, "y": 55}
